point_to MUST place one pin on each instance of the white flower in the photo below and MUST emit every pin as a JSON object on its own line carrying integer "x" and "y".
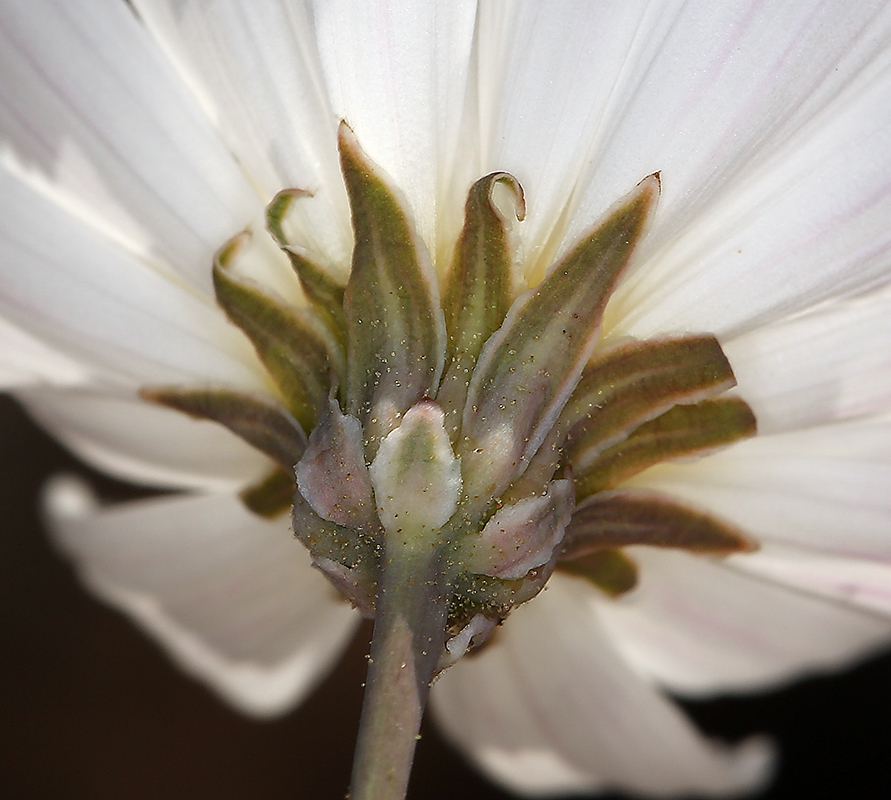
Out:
{"x": 132, "y": 148}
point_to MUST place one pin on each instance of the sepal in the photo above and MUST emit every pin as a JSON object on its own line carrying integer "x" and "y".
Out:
{"x": 685, "y": 430}
{"x": 524, "y": 535}
{"x": 272, "y": 496}
{"x": 352, "y": 562}
{"x": 632, "y": 384}
{"x": 611, "y": 520}
{"x": 530, "y": 366}
{"x": 480, "y": 287}
{"x": 298, "y": 350}
{"x": 612, "y": 571}
{"x": 416, "y": 477}
{"x": 320, "y": 288}
{"x": 332, "y": 474}
{"x": 259, "y": 422}
{"x": 394, "y": 321}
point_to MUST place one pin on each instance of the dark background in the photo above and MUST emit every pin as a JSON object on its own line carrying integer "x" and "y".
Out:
{"x": 90, "y": 708}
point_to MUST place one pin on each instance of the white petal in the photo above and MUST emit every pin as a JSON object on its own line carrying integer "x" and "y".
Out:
{"x": 95, "y": 117}
{"x": 233, "y": 598}
{"x": 145, "y": 443}
{"x": 83, "y": 296}
{"x": 799, "y": 213}
{"x": 25, "y": 360}
{"x": 858, "y": 582}
{"x": 700, "y": 626}
{"x": 827, "y": 489}
{"x": 549, "y": 707}
{"x": 705, "y": 93}
{"x": 256, "y": 69}
{"x": 550, "y": 79}
{"x": 397, "y": 72}
{"x": 830, "y": 364}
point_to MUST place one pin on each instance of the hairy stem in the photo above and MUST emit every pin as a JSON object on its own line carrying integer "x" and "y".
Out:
{"x": 409, "y": 630}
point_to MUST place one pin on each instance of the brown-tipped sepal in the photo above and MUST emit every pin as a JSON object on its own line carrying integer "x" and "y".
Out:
{"x": 632, "y": 384}
{"x": 685, "y": 430}
{"x": 258, "y": 421}
{"x": 632, "y": 517}
{"x": 320, "y": 287}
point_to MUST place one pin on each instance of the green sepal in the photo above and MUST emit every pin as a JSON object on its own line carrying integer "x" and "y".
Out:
{"x": 479, "y": 289}
{"x": 262, "y": 424}
{"x": 297, "y": 348}
{"x": 637, "y": 382}
{"x": 272, "y": 496}
{"x": 611, "y": 571}
{"x": 326, "y": 539}
{"x": 395, "y": 324}
{"x": 530, "y": 366}
{"x": 685, "y": 430}
{"x": 623, "y": 518}
{"x": 351, "y": 561}
{"x": 321, "y": 289}
{"x": 493, "y": 597}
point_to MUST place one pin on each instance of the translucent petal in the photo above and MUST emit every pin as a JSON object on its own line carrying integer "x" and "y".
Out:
{"x": 232, "y": 597}
{"x": 545, "y": 91}
{"x": 25, "y": 360}
{"x": 784, "y": 104}
{"x": 824, "y": 489}
{"x": 145, "y": 443}
{"x": 92, "y": 115}
{"x": 397, "y": 72}
{"x": 830, "y": 364}
{"x": 858, "y": 582}
{"x": 550, "y": 707}
{"x": 91, "y": 301}
{"x": 256, "y": 71}
{"x": 700, "y": 626}
{"x": 799, "y": 215}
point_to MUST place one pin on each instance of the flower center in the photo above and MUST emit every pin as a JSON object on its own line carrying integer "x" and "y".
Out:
{"x": 476, "y": 428}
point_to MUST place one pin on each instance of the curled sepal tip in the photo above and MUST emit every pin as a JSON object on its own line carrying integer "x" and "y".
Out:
{"x": 322, "y": 290}
{"x": 529, "y": 367}
{"x": 298, "y": 349}
{"x": 394, "y": 320}
{"x": 480, "y": 288}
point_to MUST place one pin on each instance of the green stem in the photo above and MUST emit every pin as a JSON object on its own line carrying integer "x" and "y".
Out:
{"x": 409, "y": 631}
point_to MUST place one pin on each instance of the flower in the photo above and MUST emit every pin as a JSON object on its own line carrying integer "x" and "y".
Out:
{"x": 134, "y": 146}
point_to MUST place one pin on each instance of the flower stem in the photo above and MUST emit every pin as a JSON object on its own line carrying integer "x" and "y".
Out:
{"x": 409, "y": 630}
